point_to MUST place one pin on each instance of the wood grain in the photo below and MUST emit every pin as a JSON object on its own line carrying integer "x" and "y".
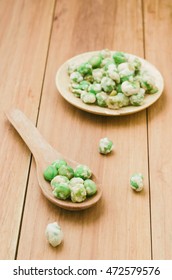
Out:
{"x": 119, "y": 226}
{"x": 24, "y": 35}
{"x": 158, "y": 47}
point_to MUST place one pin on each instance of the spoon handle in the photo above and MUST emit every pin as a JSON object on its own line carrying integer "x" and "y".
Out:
{"x": 30, "y": 134}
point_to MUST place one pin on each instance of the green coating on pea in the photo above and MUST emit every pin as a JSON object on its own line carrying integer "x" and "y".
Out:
{"x": 50, "y": 172}
{"x": 118, "y": 88}
{"x": 58, "y": 163}
{"x": 90, "y": 187}
{"x": 119, "y": 57}
{"x": 62, "y": 191}
{"x": 95, "y": 61}
{"x": 66, "y": 170}
{"x": 84, "y": 85}
{"x": 85, "y": 68}
{"x": 82, "y": 171}
{"x": 78, "y": 193}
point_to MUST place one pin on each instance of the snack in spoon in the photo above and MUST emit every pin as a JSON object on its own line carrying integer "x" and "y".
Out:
{"x": 70, "y": 183}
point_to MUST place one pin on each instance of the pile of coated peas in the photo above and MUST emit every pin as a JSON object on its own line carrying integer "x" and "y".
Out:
{"x": 111, "y": 79}
{"x": 68, "y": 183}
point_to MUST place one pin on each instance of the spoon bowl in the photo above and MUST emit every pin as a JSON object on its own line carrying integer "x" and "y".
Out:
{"x": 44, "y": 154}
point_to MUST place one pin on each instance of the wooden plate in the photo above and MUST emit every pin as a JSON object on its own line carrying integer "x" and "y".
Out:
{"x": 62, "y": 84}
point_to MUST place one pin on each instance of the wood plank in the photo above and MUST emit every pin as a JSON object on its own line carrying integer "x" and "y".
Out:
{"x": 24, "y": 35}
{"x": 158, "y": 26}
{"x": 119, "y": 225}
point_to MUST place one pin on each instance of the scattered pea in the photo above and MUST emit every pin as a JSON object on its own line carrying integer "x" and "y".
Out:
{"x": 54, "y": 234}
{"x": 136, "y": 182}
{"x": 105, "y": 145}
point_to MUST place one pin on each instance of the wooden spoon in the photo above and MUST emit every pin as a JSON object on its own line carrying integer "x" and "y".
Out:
{"x": 44, "y": 155}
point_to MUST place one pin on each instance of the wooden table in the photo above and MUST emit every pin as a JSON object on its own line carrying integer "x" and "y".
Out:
{"x": 36, "y": 37}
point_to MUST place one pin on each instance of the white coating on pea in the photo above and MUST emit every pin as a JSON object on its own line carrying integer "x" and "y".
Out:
{"x": 136, "y": 182}
{"x": 54, "y": 234}
{"x": 78, "y": 193}
{"x": 105, "y": 145}
{"x": 58, "y": 180}
{"x": 82, "y": 171}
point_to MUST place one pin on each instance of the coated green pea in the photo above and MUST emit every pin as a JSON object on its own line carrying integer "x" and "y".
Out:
{"x": 78, "y": 193}
{"x": 119, "y": 57}
{"x": 58, "y": 163}
{"x": 90, "y": 187}
{"x": 95, "y": 61}
{"x": 66, "y": 170}
{"x": 50, "y": 172}
{"x": 62, "y": 191}
{"x": 85, "y": 68}
{"x": 82, "y": 171}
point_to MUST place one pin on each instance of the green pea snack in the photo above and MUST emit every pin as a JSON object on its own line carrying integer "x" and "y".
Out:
{"x": 66, "y": 170}
{"x": 62, "y": 191}
{"x": 54, "y": 234}
{"x": 78, "y": 193}
{"x": 82, "y": 171}
{"x": 112, "y": 80}
{"x": 90, "y": 187}
{"x": 58, "y": 163}
{"x": 105, "y": 145}
{"x": 50, "y": 172}
{"x": 59, "y": 179}
{"x": 136, "y": 182}
{"x": 68, "y": 183}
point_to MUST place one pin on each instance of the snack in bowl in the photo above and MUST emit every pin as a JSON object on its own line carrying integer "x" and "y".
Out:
{"x": 91, "y": 91}
{"x": 112, "y": 80}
